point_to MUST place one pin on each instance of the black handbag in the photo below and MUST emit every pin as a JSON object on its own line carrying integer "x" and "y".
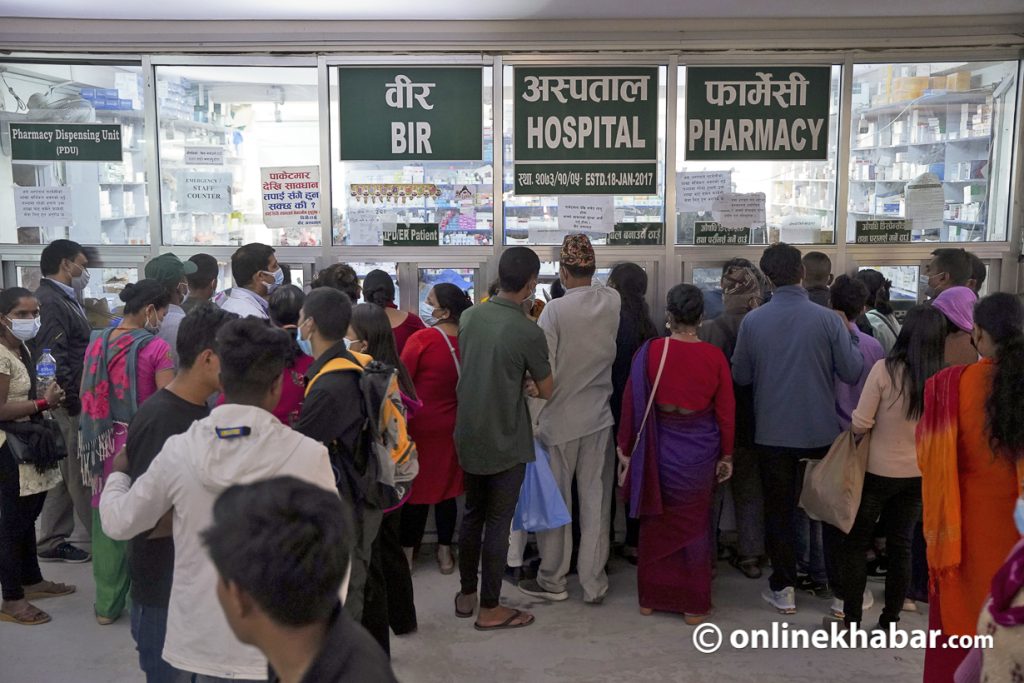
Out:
{"x": 38, "y": 442}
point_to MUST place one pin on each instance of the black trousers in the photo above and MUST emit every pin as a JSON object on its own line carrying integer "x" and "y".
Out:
{"x": 898, "y": 502}
{"x": 19, "y": 565}
{"x": 483, "y": 540}
{"x": 414, "y": 522}
{"x": 389, "y": 591}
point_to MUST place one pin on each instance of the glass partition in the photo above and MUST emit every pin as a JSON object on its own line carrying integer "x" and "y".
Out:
{"x": 463, "y": 278}
{"x": 101, "y": 297}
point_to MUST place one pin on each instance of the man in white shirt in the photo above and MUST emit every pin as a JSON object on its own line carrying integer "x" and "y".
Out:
{"x": 576, "y": 423}
{"x": 257, "y": 274}
{"x": 239, "y": 443}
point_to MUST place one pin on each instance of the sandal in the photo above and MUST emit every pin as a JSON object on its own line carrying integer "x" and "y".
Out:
{"x": 445, "y": 559}
{"x": 48, "y": 589}
{"x": 749, "y": 566}
{"x": 29, "y": 615}
{"x": 695, "y": 619}
{"x": 459, "y": 613}
{"x": 507, "y": 624}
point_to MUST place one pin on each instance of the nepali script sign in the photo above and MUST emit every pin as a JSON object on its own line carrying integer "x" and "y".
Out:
{"x": 291, "y": 196}
{"x": 586, "y": 130}
{"x": 411, "y": 113}
{"x": 757, "y": 113}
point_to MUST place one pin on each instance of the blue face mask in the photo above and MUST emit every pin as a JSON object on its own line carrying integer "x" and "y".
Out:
{"x": 304, "y": 344}
{"x": 278, "y": 280}
{"x": 1018, "y": 516}
{"x": 427, "y": 314}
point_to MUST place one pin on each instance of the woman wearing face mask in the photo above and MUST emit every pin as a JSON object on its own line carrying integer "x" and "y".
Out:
{"x": 124, "y": 366}
{"x": 970, "y": 448}
{"x": 285, "y": 306}
{"x": 432, "y": 358}
{"x": 22, "y": 487}
{"x": 379, "y": 288}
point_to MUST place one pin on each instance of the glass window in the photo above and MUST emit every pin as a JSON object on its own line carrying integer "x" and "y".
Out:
{"x": 533, "y": 219}
{"x": 933, "y": 143}
{"x": 222, "y": 129}
{"x": 101, "y": 296}
{"x": 457, "y": 196}
{"x": 74, "y": 166}
{"x": 800, "y": 196}
{"x": 904, "y": 293}
{"x": 463, "y": 278}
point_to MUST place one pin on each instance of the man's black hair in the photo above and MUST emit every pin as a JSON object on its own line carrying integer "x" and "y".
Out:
{"x": 252, "y": 357}
{"x": 817, "y": 267}
{"x": 249, "y": 260}
{"x": 198, "y": 332}
{"x": 782, "y": 264}
{"x": 978, "y": 271}
{"x": 331, "y": 310}
{"x": 516, "y": 267}
{"x": 207, "y": 271}
{"x": 849, "y": 296}
{"x": 286, "y": 543}
{"x": 955, "y": 262}
{"x": 55, "y": 253}
{"x": 580, "y": 271}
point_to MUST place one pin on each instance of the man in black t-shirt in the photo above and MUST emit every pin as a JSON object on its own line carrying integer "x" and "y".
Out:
{"x": 168, "y": 412}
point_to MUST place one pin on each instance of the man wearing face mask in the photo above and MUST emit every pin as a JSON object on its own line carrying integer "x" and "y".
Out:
{"x": 257, "y": 274}
{"x": 65, "y": 332}
{"x": 950, "y": 267}
{"x": 170, "y": 271}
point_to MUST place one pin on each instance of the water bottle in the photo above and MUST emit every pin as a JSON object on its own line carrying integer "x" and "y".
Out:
{"x": 46, "y": 373}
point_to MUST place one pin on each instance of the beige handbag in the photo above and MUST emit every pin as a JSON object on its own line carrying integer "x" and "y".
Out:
{"x": 833, "y": 485}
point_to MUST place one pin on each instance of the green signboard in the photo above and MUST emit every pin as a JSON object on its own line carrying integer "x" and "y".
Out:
{"x": 586, "y": 130}
{"x": 412, "y": 235}
{"x": 66, "y": 142}
{"x": 709, "y": 233}
{"x": 883, "y": 232}
{"x": 757, "y": 112}
{"x": 637, "y": 234}
{"x": 411, "y": 113}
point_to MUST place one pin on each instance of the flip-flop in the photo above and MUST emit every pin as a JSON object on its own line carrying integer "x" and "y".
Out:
{"x": 50, "y": 589}
{"x": 749, "y": 567}
{"x": 459, "y": 613}
{"x": 22, "y": 618}
{"x": 507, "y": 624}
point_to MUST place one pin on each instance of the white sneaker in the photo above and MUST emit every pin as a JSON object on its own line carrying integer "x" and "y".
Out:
{"x": 869, "y": 599}
{"x": 837, "y": 611}
{"x": 784, "y": 600}
{"x": 909, "y": 605}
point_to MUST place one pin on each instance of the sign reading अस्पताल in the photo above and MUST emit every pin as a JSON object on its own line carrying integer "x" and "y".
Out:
{"x": 757, "y": 113}
{"x": 586, "y": 130}
{"x": 411, "y": 113}
{"x": 66, "y": 142}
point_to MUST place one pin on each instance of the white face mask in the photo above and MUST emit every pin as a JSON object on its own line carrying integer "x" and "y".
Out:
{"x": 152, "y": 327}
{"x": 25, "y": 329}
{"x": 427, "y": 314}
{"x": 81, "y": 281}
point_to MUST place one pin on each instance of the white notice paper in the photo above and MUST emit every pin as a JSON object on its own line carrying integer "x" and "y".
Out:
{"x": 291, "y": 196}
{"x": 365, "y": 227}
{"x": 204, "y": 156}
{"x": 42, "y": 207}
{"x": 736, "y": 210}
{"x": 204, "y": 191}
{"x": 698, "y": 190}
{"x": 926, "y": 202}
{"x": 587, "y": 213}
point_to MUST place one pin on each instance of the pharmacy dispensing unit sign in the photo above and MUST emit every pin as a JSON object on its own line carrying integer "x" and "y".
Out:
{"x": 757, "y": 113}
{"x": 411, "y": 113}
{"x": 586, "y": 130}
{"x": 65, "y": 142}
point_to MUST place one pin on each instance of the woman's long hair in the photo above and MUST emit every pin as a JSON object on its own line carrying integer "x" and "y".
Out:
{"x": 371, "y": 324}
{"x": 1002, "y": 317}
{"x": 630, "y": 281}
{"x": 917, "y": 355}
{"x": 878, "y": 290}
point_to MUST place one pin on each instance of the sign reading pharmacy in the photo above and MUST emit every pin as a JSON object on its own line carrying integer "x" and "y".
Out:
{"x": 757, "y": 113}
{"x": 65, "y": 141}
{"x": 411, "y": 113}
{"x": 883, "y": 232}
{"x": 586, "y": 130}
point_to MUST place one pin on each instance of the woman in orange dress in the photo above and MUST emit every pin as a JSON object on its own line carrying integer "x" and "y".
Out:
{"x": 971, "y": 453}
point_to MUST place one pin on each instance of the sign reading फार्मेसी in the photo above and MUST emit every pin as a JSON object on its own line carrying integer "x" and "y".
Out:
{"x": 66, "y": 142}
{"x": 585, "y": 130}
{"x": 757, "y": 113}
{"x": 411, "y": 113}
{"x": 883, "y": 232}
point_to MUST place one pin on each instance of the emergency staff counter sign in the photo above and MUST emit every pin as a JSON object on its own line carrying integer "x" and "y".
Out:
{"x": 757, "y": 113}
{"x": 586, "y": 130}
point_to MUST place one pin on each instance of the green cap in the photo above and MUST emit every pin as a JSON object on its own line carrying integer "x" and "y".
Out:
{"x": 169, "y": 268}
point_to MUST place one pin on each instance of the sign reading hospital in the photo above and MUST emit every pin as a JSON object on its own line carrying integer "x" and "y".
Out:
{"x": 65, "y": 141}
{"x": 586, "y": 130}
{"x": 757, "y": 113}
{"x": 411, "y": 113}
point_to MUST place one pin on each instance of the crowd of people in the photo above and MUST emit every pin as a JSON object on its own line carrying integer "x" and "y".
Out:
{"x": 255, "y": 467}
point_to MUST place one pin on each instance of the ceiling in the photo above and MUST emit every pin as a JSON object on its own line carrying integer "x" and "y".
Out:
{"x": 446, "y": 10}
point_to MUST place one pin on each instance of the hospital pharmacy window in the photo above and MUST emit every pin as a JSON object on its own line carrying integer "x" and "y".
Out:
{"x": 932, "y": 150}
{"x": 72, "y": 154}
{"x": 239, "y": 155}
{"x": 756, "y": 154}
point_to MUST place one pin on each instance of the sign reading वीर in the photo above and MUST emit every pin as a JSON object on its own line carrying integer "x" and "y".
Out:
{"x": 757, "y": 113}
{"x": 204, "y": 156}
{"x": 291, "y": 196}
{"x": 711, "y": 233}
{"x": 698, "y": 190}
{"x": 585, "y": 130}
{"x": 736, "y": 210}
{"x": 586, "y": 214}
{"x": 411, "y": 113}
{"x": 883, "y": 232}
{"x": 204, "y": 192}
{"x": 42, "y": 207}
{"x": 65, "y": 141}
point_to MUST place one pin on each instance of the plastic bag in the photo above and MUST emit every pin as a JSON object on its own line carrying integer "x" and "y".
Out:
{"x": 833, "y": 486}
{"x": 541, "y": 507}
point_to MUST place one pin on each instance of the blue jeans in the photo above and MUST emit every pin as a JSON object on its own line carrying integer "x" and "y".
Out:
{"x": 810, "y": 558}
{"x": 149, "y": 628}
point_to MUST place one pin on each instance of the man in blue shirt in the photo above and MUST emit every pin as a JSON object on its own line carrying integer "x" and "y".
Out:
{"x": 791, "y": 350}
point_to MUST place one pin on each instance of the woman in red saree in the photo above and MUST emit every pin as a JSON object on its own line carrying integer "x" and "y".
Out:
{"x": 676, "y": 434}
{"x": 970, "y": 443}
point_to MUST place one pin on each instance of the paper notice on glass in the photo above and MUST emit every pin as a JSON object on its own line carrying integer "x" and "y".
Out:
{"x": 734, "y": 210}
{"x": 586, "y": 213}
{"x": 204, "y": 156}
{"x": 698, "y": 190}
{"x": 364, "y": 227}
{"x": 291, "y": 196}
{"x": 204, "y": 191}
{"x": 547, "y": 236}
{"x": 42, "y": 207}
{"x": 926, "y": 205}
